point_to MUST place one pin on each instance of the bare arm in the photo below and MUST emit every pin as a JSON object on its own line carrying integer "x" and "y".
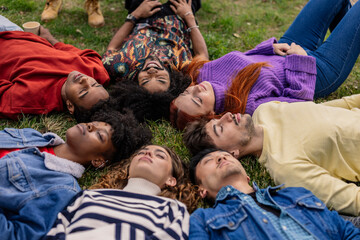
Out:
{"x": 183, "y": 10}
{"x": 146, "y": 9}
{"x": 45, "y": 33}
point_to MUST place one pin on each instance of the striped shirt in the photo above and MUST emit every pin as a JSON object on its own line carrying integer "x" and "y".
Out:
{"x": 117, "y": 214}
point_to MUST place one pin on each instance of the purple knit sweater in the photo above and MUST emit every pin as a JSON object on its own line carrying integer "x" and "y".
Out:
{"x": 289, "y": 79}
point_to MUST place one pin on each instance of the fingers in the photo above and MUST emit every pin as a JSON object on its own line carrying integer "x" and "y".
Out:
{"x": 175, "y": 3}
{"x": 281, "y": 48}
{"x": 173, "y": 8}
{"x": 155, "y": 10}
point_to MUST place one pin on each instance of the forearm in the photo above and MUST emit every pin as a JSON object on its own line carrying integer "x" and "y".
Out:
{"x": 118, "y": 39}
{"x": 52, "y": 40}
{"x": 348, "y": 102}
{"x": 197, "y": 39}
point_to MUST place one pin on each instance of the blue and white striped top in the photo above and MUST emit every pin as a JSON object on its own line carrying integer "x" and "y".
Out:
{"x": 122, "y": 214}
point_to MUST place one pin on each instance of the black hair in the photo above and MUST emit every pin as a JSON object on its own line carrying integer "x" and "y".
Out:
{"x": 128, "y": 135}
{"x": 83, "y": 115}
{"x": 194, "y": 161}
{"x": 145, "y": 105}
{"x": 178, "y": 81}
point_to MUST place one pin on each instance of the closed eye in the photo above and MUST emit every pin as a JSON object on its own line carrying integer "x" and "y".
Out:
{"x": 196, "y": 101}
{"x": 186, "y": 92}
{"x": 96, "y": 84}
{"x": 160, "y": 156}
{"x": 100, "y": 136}
{"x": 145, "y": 81}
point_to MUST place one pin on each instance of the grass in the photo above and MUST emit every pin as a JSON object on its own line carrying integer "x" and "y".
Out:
{"x": 227, "y": 25}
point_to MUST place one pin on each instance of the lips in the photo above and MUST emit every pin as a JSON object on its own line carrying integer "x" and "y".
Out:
{"x": 77, "y": 77}
{"x": 145, "y": 159}
{"x": 152, "y": 64}
{"x": 203, "y": 86}
{"x": 223, "y": 163}
{"x": 81, "y": 128}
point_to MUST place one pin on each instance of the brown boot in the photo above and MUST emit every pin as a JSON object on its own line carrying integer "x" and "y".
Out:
{"x": 51, "y": 10}
{"x": 96, "y": 18}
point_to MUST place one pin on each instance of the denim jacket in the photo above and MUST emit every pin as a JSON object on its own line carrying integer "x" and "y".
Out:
{"x": 232, "y": 218}
{"x": 34, "y": 186}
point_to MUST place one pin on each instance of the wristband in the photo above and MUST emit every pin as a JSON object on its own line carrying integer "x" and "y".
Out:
{"x": 187, "y": 13}
{"x": 189, "y": 28}
{"x": 131, "y": 18}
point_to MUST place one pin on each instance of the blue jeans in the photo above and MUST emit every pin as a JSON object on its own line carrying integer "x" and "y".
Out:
{"x": 7, "y": 25}
{"x": 337, "y": 55}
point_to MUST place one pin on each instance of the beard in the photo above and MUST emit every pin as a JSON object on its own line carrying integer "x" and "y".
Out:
{"x": 232, "y": 170}
{"x": 249, "y": 133}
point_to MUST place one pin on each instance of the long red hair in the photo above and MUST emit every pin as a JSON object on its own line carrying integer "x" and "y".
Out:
{"x": 236, "y": 96}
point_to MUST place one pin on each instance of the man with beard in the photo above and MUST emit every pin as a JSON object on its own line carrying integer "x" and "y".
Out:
{"x": 154, "y": 43}
{"x": 244, "y": 212}
{"x": 300, "y": 144}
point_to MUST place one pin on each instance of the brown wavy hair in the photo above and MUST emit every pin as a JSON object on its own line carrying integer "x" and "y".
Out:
{"x": 184, "y": 191}
{"x": 236, "y": 96}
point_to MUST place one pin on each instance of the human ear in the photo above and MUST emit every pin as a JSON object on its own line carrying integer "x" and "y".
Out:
{"x": 70, "y": 106}
{"x": 235, "y": 153}
{"x": 98, "y": 163}
{"x": 171, "y": 181}
{"x": 203, "y": 192}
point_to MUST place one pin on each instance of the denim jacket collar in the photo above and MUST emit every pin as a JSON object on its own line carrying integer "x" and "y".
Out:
{"x": 63, "y": 165}
{"x": 229, "y": 191}
{"x": 55, "y": 139}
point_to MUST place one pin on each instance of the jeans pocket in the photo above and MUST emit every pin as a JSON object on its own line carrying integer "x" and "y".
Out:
{"x": 18, "y": 174}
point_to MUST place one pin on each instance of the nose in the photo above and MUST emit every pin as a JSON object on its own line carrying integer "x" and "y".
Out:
{"x": 227, "y": 117}
{"x": 197, "y": 89}
{"x": 83, "y": 81}
{"x": 90, "y": 127}
{"x": 151, "y": 70}
{"x": 149, "y": 153}
{"x": 219, "y": 159}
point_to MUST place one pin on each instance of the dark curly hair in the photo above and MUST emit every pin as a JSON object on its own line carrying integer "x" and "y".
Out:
{"x": 179, "y": 81}
{"x": 145, "y": 105}
{"x": 83, "y": 115}
{"x": 128, "y": 134}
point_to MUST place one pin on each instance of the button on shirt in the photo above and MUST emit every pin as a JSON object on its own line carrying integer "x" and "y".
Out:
{"x": 286, "y": 226}
{"x": 236, "y": 215}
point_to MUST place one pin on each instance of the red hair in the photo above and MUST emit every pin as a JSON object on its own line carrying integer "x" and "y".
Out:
{"x": 236, "y": 96}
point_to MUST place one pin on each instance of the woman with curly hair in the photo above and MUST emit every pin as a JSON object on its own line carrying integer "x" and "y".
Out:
{"x": 155, "y": 43}
{"x": 299, "y": 67}
{"x": 39, "y": 172}
{"x": 152, "y": 181}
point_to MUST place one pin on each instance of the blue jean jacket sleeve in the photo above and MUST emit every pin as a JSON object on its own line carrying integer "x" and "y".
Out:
{"x": 34, "y": 219}
{"x": 197, "y": 227}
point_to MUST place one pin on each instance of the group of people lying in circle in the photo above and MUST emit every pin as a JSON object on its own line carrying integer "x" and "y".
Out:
{"x": 257, "y": 103}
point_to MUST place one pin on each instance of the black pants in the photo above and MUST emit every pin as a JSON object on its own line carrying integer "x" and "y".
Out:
{"x": 131, "y": 5}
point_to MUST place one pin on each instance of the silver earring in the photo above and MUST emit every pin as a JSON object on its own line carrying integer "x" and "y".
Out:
{"x": 102, "y": 165}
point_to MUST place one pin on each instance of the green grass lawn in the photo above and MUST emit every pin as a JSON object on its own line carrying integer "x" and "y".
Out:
{"x": 227, "y": 25}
